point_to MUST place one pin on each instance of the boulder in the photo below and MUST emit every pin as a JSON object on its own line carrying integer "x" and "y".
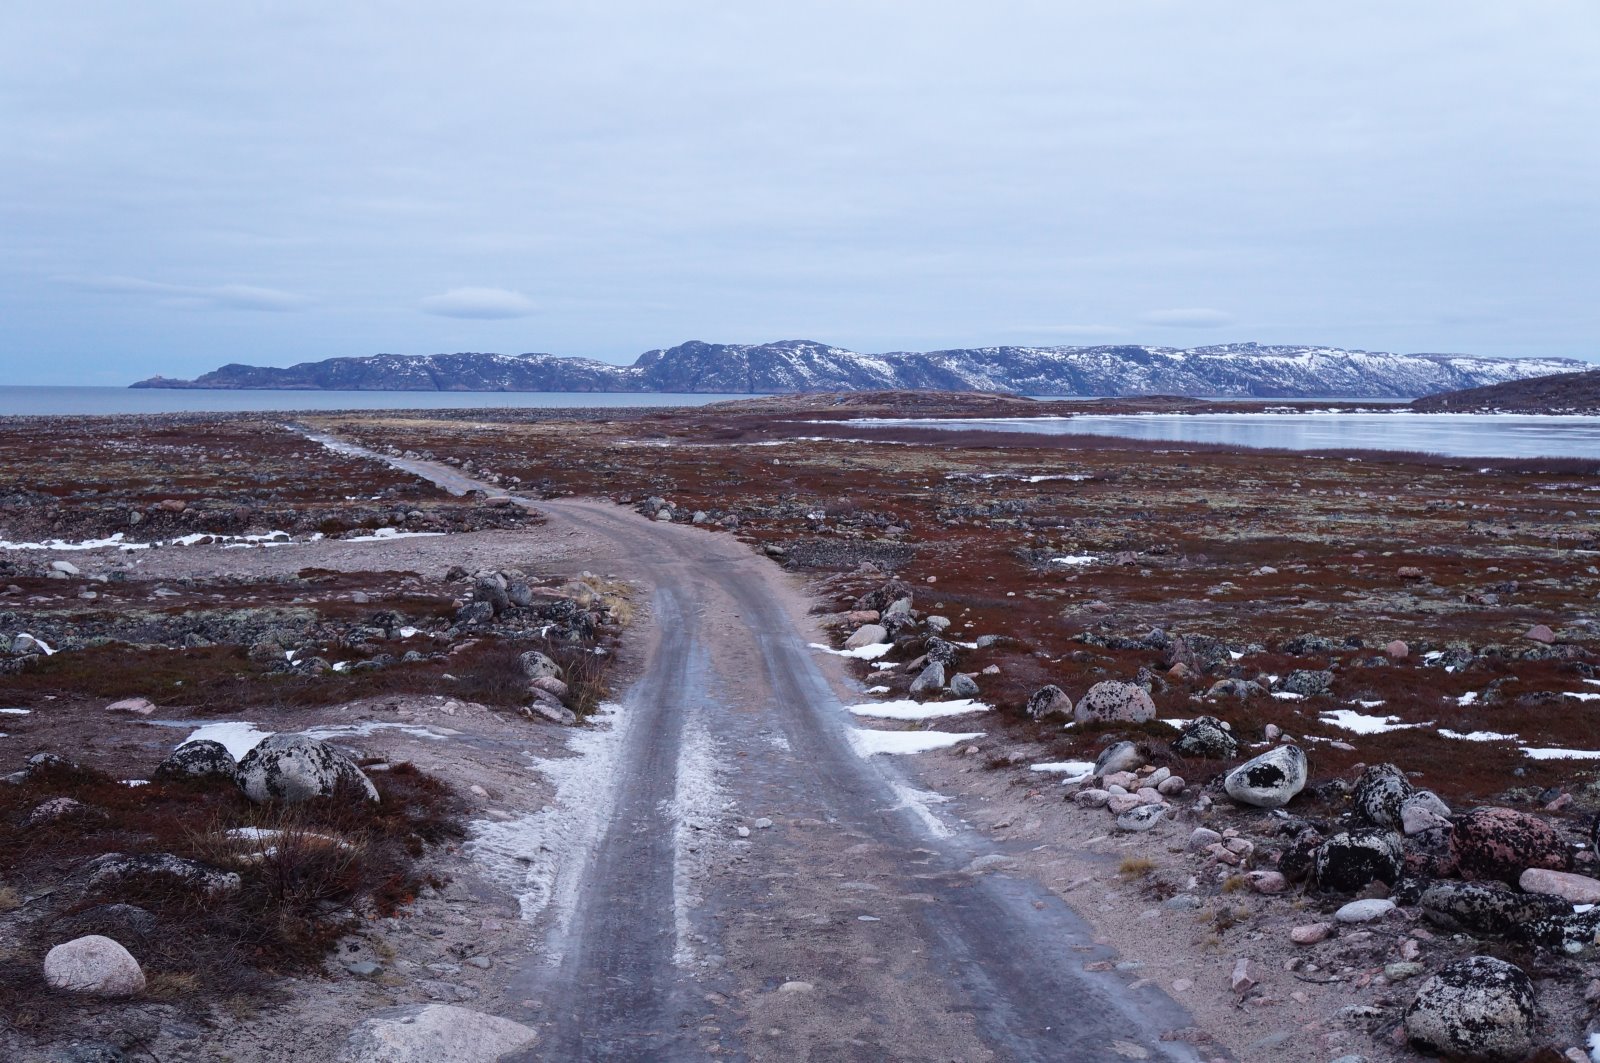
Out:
{"x": 292, "y": 767}
{"x": 431, "y": 1033}
{"x": 1115, "y": 701}
{"x": 537, "y": 665}
{"x": 1478, "y": 1008}
{"x": 867, "y": 635}
{"x": 1269, "y": 780}
{"x": 1049, "y": 701}
{"x": 1486, "y": 908}
{"x": 95, "y": 965}
{"x": 1308, "y": 684}
{"x": 1502, "y": 843}
{"x": 931, "y": 678}
{"x": 963, "y": 685}
{"x": 1348, "y": 861}
{"x": 1369, "y": 910}
{"x": 1118, "y": 756}
{"x": 1424, "y": 810}
{"x": 112, "y": 870}
{"x": 1574, "y": 889}
{"x": 1379, "y": 794}
{"x": 198, "y": 760}
{"x": 941, "y": 651}
{"x": 1206, "y": 737}
{"x": 550, "y": 685}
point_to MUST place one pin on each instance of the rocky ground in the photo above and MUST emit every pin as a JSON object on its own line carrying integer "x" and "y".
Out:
{"x": 1151, "y": 619}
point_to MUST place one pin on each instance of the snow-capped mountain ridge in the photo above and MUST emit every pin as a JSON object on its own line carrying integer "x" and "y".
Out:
{"x": 1224, "y": 370}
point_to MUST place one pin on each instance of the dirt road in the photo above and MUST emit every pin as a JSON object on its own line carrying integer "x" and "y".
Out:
{"x": 854, "y": 922}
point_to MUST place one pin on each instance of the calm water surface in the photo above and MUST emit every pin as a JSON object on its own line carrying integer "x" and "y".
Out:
{"x": 58, "y": 401}
{"x": 1462, "y": 435}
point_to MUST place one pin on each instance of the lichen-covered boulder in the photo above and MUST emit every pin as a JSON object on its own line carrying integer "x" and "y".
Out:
{"x": 1206, "y": 737}
{"x": 1295, "y": 863}
{"x": 1502, "y": 843}
{"x": 537, "y": 665}
{"x": 1350, "y": 860}
{"x": 1308, "y": 684}
{"x": 198, "y": 760}
{"x": 1047, "y": 702}
{"x": 293, "y": 767}
{"x": 95, "y": 965}
{"x": 1478, "y": 1008}
{"x": 1270, "y": 780}
{"x": 116, "y": 869}
{"x": 1115, "y": 702}
{"x": 1487, "y": 908}
{"x": 1379, "y": 794}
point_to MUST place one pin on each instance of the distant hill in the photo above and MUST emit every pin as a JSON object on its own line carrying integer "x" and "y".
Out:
{"x": 1560, "y": 393}
{"x": 1231, "y": 370}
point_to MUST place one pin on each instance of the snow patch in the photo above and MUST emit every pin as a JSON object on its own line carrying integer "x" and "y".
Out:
{"x": 238, "y": 736}
{"x": 861, "y": 653}
{"x": 871, "y": 743}
{"x": 912, "y": 710}
{"x": 696, "y": 811}
{"x": 918, "y": 803}
{"x": 1477, "y": 736}
{"x": 1361, "y": 724}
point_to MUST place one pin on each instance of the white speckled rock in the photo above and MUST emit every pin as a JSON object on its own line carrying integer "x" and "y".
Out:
{"x": 1270, "y": 780}
{"x": 1366, "y": 911}
{"x": 1477, "y": 1008}
{"x": 434, "y": 1033}
{"x": 93, "y": 964}
{"x": 293, "y": 767}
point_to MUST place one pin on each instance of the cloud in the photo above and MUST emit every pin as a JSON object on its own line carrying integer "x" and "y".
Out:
{"x": 192, "y": 297}
{"x": 483, "y": 303}
{"x": 1189, "y": 317}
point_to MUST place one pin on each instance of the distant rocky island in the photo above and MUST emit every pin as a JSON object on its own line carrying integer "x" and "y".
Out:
{"x": 1226, "y": 370}
{"x": 1560, "y": 393}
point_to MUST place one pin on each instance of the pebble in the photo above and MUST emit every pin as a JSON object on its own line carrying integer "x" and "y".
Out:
{"x": 1399, "y": 972}
{"x": 1172, "y": 784}
{"x": 1311, "y": 933}
{"x": 743, "y": 832}
{"x": 1364, "y": 911}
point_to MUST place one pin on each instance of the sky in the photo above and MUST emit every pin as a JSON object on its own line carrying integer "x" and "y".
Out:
{"x": 188, "y": 184}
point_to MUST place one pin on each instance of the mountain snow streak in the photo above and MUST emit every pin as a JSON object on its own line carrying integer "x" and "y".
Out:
{"x": 1235, "y": 369}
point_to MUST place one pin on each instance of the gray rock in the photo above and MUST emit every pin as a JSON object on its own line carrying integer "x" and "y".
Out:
{"x": 1269, "y": 780}
{"x": 1308, "y": 684}
{"x": 95, "y": 965}
{"x": 867, "y": 635}
{"x": 963, "y": 685}
{"x": 1487, "y": 908}
{"x": 1047, "y": 702}
{"x": 113, "y": 869}
{"x": 536, "y": 665}
{"x": 434, "y": 1033}
{"x": 1118, "y": 756}
{"x": 938, "y": 623}
{"x": 293, "y": 767}
{"x": 1422, "y": 811}
{"x": 198, "y": 760}
{"x": 1479, "y": 1008}
{"x": 1206, "y": 737}
{"x": 1380, "y": 793}
{"x": 1114, "y": 701}
{"x": 931, "y": 679}
{"x": 64, "y": 566}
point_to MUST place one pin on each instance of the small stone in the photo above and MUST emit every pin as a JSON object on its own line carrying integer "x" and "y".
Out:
{"x": 1267, "y": 882}
{"x": 1540, "y": 633}
{"x": 1203, "y": 837}
{"x": 1397, "y": 650}
{"x": 796, "y": 987}
{"x": 139, "y": 706}
{"x": 1243, "y": 979}
{"x": 1172, "y": 784}
{"x": 1365, "y": 911}
{"x": 1399, "y": 972}
{"x": 1311, "y": 933}
{"x": 743, "y": 832}
{"x": 363, "y": 968}
{"x": 763, "y": 823}
{"x": 1142, "y": 818}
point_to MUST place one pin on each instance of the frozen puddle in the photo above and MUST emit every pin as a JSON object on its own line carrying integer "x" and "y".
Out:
{"x": 912, "y": 710}
{"x": 1361, "y": 724}
{"x": 15, "y": 712}
{"x": 871, "y": 743}
{"x": 861, "y": 653}
{"x": 919, "y": 803}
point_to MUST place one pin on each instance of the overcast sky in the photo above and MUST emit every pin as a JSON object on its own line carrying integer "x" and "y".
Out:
{"x": 188, "y": 184}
